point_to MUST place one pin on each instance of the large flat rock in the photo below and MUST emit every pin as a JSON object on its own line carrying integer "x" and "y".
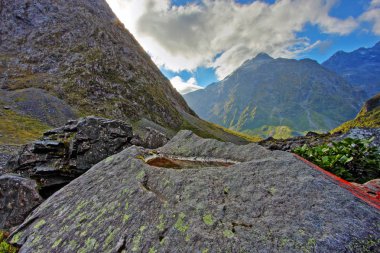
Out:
{"x": 267, "y": 202}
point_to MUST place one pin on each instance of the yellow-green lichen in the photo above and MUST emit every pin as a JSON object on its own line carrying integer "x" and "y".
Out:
{"x": 16, "y": 237}
{"x": 56, "y": 243}
{"x": 152, "y": 250}
{"x": 228, "y": 233}
{"x": 73, "y": 244}
{"x": 161, "y": 225}
{"x": 137, "y": 239}
{"x": 91, "y": 243}
{"x": 39, "y": 224}
{"x": 180, "y": 224}
{"x": 208, "y": 220}
{"x": 272, "y": 190}
{"x": 140, "y": 175}
{"x": 126, "y": 217}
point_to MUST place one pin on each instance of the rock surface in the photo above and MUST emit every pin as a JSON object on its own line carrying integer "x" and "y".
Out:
{"x": 269, "y": 201}
{"x": 18, "y": 196}
{"x": 67, "y": 152}
{"x": 152, "y": 139}
{"x": 39, "y": 104}
{"x": 315, "y": 139}
{"x": 6, "y": 152}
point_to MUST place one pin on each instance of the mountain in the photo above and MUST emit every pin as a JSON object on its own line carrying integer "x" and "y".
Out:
{"x": 368, "y": 117}
{"x": 81, "y": 54}
{"x": 360, "y": 67}
{"x": 277, "y": 97}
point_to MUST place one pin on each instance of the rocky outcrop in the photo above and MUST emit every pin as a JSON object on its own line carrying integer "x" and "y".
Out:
{"x": 315, "y": 139}
{"x": 266, "y": 202}
{"x": 152, "y": 139}
{"x": 67, "y": 152}
{"x": 18, "y": 197}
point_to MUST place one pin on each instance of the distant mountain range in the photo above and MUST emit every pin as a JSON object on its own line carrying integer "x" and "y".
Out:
{"x": 360, "y": 67}
{"x": 278, "y": 97}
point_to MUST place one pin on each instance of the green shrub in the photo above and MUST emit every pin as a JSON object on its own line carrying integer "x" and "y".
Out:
{"x": 4, "y": 246}
{"x": 351, "y": 159}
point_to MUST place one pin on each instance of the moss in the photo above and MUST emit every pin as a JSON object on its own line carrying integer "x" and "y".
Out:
{"x": 204, "y": 250}
{"x": 180, "y": 224}
{"x": 4, "y": 246}
{"x": 228, "y": 233}
{"x": 19, "y": 129}
{"x": 39, "y": 224}
{"x": 208, "y": 220}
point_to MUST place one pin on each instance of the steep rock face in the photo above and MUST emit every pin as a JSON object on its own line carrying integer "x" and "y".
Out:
{"x": 360, "y": 67}
{"x": 67, "y": 152}
{"x": 266, "y": 202}
{"x": 18, "y": 197}
{"x": 277, "y": 97}
{"x": 80, "y": 52}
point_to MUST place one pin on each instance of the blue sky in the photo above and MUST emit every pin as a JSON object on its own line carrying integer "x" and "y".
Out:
{"x": 197, "y": 42}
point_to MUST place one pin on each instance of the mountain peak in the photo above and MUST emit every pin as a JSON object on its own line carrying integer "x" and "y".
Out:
{"x": 263, "y": 56}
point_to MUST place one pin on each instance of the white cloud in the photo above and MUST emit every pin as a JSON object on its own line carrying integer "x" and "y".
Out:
{"x": 373, "y": 15}
{"x": 184, "y": 87}
{"x": 186, "y": 37}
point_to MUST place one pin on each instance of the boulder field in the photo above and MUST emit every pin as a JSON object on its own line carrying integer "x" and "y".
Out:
{"x": 250, "y": 200}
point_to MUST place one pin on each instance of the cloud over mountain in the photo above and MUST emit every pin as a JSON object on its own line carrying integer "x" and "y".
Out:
{"x": 223, "y": 34}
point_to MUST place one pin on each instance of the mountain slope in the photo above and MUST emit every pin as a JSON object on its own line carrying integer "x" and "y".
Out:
{"x": 360, "y": 67}
{"x": 368, "y": 117}
{"x": 277, "y": 97}
{"x": 79, "y": 52}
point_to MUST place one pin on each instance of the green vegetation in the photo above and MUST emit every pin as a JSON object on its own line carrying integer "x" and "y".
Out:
{"x": 368, "y": 117}
{"x": 209, "y": 130}
{"x": 4, "y": 246}
{"x": 277, "y": 132}
{"x": 19, "y": 129}
{"x": 351, "y": 159}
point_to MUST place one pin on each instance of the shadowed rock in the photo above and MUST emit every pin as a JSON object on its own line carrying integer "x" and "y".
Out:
{"x": 67, "y": 152}
{"x": 18, "y": 196}
{"x": 269, "y": 201}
